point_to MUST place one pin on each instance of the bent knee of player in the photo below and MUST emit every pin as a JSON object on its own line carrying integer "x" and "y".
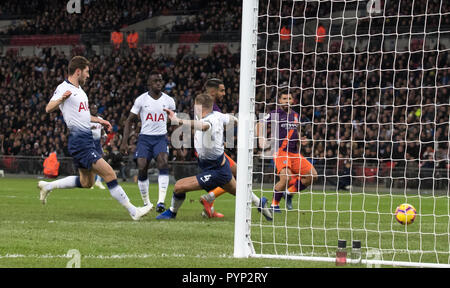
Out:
{"x": 283, "y": 178}
{"x": 230, "y": 187}
{"x": 307, "y": 180}
{"x": 179, "y": 188}
{"x": 310, "y": 178}
{"x": 162, "y": 166}
{"x": 162, "y": 161}
{"x": 87, "y": 182}
{"x": 234, "y": 170}
{"x": 142, "y": 164}
{"x": 108, "y": 177}
{"x": 105, "y": 171}
{"x": 281, "y": 184}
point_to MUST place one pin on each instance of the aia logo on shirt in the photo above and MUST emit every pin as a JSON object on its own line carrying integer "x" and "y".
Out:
{"x": 155, "y": 117}
{"x": 83, "y": 106}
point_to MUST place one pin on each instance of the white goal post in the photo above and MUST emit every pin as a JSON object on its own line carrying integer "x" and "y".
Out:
{"x": 242, "y": 242}
{"x": 371, "y": 90}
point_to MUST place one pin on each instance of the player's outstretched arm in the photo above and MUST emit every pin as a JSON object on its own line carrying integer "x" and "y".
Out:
{"x": 126, "y": 132}
{"x": 302, "y": 140}
{"x": 54, "y": 104}
{"x": 198, "y": 125}
{"x": 234, "y": 119}
{"x": 260, "y": 135}
{"x": 104, "y": 123}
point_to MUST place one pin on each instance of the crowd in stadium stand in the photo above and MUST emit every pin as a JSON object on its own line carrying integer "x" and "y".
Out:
{"x": 371, "y": 112}
{"x": 210, "y": 16}
{"x": 18, "y": 8}
{"x": 27, "y": 84}
{"x": 223, "y": 16}
{"x": 96, "y": 16}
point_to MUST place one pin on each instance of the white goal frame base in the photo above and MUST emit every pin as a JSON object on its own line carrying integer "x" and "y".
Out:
{"x": 369, "y": 263}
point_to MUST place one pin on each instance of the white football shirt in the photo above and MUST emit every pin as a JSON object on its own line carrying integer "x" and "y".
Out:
{"x": 75, "y": 109}
{"x": 153, "y": 117}
{"x": 209, "y": 143}
{"x": 96, "y": 129}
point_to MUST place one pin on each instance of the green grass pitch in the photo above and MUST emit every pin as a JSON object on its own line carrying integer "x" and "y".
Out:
{"x": 92, "y": 222}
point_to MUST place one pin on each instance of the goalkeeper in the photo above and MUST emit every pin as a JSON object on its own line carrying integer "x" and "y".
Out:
{"x": 295, "y": 171}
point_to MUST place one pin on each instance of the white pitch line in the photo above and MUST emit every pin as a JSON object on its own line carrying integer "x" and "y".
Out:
{"x": 145, "y": 256}
{"x": 114, "y": 256}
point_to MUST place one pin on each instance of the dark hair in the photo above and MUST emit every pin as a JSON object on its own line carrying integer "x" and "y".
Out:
{"x": 213, "y": 83}
{"x": 154, "y": 72}
{"x": 78, "y": 62}
{"x": 205, "y": 100}
{"x": 283, "y": 91}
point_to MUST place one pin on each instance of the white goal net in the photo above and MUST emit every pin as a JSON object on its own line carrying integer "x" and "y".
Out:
{"x": 370, "y": 83}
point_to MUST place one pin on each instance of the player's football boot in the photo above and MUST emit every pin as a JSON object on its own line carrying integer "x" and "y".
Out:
{"x": 43, "y": 192}
{"x": 275, "y": 208}
{"x": 141, "y": 212}
{"x": 160, "y": 207}
{"x": 166, "y": 215}
{"x": 100, "y": 185}
{"x": 288, "y": 197}
{"x": 207, "y": 206}
{"x": 265, "y": 211}
{"x": 217, "y": 215}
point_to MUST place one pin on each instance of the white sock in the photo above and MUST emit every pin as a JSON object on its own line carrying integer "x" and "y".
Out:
{"x": 210, "y": 197}
{"x": 64, "y": 183}
{"x": 176, "y": 203}
{"x": 255, "y": 200}
{"x": 120, "y": 195}
{"x": 143, "y": 188}
{"x": 163, "y": 183}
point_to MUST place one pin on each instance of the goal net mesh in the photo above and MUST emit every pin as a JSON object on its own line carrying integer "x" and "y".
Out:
{"x": 370, "y": 81}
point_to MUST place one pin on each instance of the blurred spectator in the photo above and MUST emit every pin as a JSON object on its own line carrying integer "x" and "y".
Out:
{"x": 115, "y": 159}
{"x": 2, "y": 141}
{"x": 51, "y": 166}
{"x": 320, "y": 33}
{"x": 345, "y": 176}
{"x": 132, "y": 39}
{"x": 117, "y": 39}
{"x": 427, "y": 160}
{"x": 285, "y": 33}
{"x": 169, "y": 85}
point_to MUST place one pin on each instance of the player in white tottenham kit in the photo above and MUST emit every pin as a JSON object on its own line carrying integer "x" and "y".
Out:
{"x": 208, "y": 142}
{"x": 152, "y": 141}
{"x": 70, "y": 98}
{"x": 97, "y": 133}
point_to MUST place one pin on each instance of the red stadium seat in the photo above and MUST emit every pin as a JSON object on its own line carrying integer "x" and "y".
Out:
{"x": 189, "y": 38}
{"x": 45, "y": 40}
{"x": 370, "y": 173}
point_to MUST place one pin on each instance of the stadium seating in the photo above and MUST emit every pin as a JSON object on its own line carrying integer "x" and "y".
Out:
{"x": 26, "y": 84}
